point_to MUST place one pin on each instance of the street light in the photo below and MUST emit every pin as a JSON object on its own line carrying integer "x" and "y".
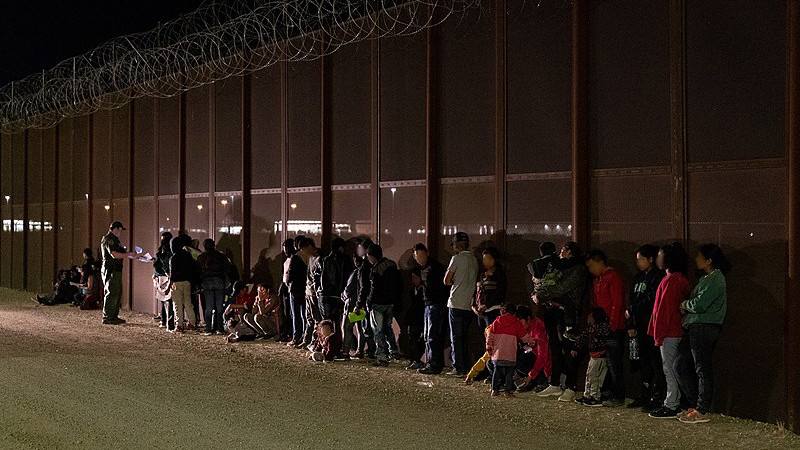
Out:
{"x": 8, "y": 199}
{"x": 107, "y": 207}
{"x": 224, "y": 201}
{"x": 199, "y": 207}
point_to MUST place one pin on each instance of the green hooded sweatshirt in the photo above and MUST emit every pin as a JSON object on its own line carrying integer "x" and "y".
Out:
{"x": 709, "y": 301}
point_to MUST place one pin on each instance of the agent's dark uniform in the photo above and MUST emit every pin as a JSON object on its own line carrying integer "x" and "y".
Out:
{"x": 112, "y": 274}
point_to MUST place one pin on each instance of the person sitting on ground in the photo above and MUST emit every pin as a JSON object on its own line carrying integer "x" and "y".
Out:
{"x": 329, "y": 343}
{"x": 535, "y": 359}
{"x": 241, "y": 297}
{"x": 90, "y": 285}
{"x": 238, "y": 329}
{"x": 264, "y": 318}
{"x": 63, "y": 290}
{"x": 593, "y": 339}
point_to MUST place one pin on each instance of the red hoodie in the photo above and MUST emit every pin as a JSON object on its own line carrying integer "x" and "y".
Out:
{"x": 502, "y": 340}
{"x": 609, "y": 294}
{"x": 666, "y": 321}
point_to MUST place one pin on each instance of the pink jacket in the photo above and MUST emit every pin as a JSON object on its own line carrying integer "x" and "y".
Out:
{"x": 503, "y": 338}
{"x": 541, "y": 346}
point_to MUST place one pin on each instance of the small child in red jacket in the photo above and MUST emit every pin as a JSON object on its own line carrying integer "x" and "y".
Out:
{"x": 501, "y": 344}
{"x": 593, "y": 338}
{"x": 329, "y": 343}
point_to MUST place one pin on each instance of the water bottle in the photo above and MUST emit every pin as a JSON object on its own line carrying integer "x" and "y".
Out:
{"x": 633, "y": 349}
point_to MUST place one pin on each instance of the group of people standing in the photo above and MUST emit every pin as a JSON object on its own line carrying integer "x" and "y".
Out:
{"x": 342, "y": 306}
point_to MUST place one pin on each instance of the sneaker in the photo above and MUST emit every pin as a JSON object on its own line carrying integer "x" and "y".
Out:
{"x": 342, "y": 357}
{"x": 592, "y": 402}
{"x": 638, "y": 403}
{"x": 456, "y": 373}
{"x": 581, "y": 401}
{"x": 694, "y": 416}
{"x": 291, "y": 343}
{"x": 613, "y": 403}
{"x": 508, "y": 394}
{"x": 664, "y": 413}
{"x": 494, "y": 393}
{"x": 207, "y": 333}
{"x": 414, "y": 365}
{"x": 428, "y": 371}
{"x": 121, "y": 320}
{"x": 487, "y": 381}
{"x": 567, "y": 396}
{"x": 685, "y": 412}
{"x": 551, "y": 391}
{"x": 540, "y": 388}
{"x": 380, "y": 363}
{"x": 652, "y": 406}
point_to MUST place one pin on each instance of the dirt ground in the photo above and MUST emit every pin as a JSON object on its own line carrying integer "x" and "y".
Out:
{"x": 70, "y": 382}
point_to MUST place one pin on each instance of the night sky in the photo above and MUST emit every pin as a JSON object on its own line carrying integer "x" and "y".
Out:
{"x": 36, "y": 35}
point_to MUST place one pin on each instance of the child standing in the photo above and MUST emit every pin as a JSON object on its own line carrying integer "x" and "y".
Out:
{"x": 593, "y": 339}
{"x": 501, "y": 343}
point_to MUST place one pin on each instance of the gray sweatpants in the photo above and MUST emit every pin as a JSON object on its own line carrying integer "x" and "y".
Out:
{"x": 595, "y": 375}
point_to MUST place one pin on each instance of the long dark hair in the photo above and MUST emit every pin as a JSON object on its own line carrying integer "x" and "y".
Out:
{"x": 675, "y": 258}
{"x": 718, "y": 259}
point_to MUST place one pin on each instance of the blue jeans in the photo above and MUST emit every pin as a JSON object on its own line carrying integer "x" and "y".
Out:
{"x": 487, "y": 318}
{"x": 214, "y": 301}
{"x": 503, "y": 377}
{"x": 298, "y": 304}
{"x": 693, "y": 364}
{"x": 381, "y": 316}
{"x": 616, "y": 351}
{"x": 460, "y": 320}
{"x": 435, "y": 315}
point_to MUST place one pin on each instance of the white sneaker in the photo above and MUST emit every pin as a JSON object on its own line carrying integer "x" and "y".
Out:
{"x": 567, "y": 396}
{"x": 551, "y": 391}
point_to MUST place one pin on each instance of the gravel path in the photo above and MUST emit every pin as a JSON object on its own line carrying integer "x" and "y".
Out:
{"x": 70, "y": 382}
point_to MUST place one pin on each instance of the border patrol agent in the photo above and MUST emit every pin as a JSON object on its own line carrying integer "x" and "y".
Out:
{"x": 113, "y": 253}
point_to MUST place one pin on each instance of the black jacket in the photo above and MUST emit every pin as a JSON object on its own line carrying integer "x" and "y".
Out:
{"x": 434, "y": 291}
{"x": 335, "y": 269}
{"x": 214, "y": 264}
{"x": 386, "y": 286}
{"x": 182, "y": 267}
{"x": 643, "y": 298}
{"x": 297, "y": 275}
{"x": 363, "y": 270}
{"x": 161, "y": 264}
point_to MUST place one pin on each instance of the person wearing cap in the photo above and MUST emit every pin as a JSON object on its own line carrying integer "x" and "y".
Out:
{"x": 461, "y": 276}
{"x": 113, "y": 254}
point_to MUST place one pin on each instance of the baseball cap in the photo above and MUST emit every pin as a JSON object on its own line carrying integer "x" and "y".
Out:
{"x": 460, "y": 237}
{"x": 116, "y": 224}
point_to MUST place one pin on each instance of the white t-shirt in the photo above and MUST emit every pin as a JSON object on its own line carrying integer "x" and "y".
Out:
{"x": 464, "y": 267}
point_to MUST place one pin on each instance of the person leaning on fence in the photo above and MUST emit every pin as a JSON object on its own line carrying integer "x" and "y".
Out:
{"x": 113, "y": 254}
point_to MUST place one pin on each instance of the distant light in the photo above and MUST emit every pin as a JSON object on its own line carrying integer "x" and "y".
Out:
{"x": 224, "y": 201}
{"x": 199, "y": 207}
{"x": 393, "y": 190}
{"x": 8, "y": 198}
{"x": 293, "y": 206}
{"x": 751, "y": 234}
{"x": 107, "y": 207}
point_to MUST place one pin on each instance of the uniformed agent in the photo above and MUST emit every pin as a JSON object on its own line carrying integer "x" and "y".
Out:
{"x": 113, "y": 254}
